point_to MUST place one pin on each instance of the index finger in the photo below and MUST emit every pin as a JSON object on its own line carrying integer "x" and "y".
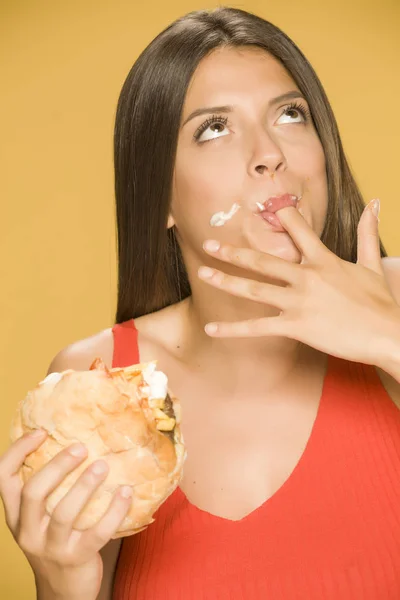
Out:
{"x": 303, "y": 235}
{"x": 259, "y": 262}
{"x": 13, "y": 458}
{"x": 10, "y": 482}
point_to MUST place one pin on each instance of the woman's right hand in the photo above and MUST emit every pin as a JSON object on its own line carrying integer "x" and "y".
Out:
{"x": 66, "y": 562}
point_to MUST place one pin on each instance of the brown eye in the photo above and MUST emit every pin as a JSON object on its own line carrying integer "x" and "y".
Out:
{"x": 296, "y": 111}
{"x": 215, "y": 124}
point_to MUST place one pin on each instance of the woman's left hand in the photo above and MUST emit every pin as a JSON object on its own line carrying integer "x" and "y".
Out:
{"x": 333, "y": 305}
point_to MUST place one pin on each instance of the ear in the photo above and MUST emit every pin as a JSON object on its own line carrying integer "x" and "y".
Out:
{"x": 171, "y": 221}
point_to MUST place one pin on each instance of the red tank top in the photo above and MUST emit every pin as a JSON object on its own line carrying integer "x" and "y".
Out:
{"x": 330, "y": 532}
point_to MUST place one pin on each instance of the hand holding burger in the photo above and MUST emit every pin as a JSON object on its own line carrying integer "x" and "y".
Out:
{"x": 125, "y": 416}
{"x": 59, "y": 507}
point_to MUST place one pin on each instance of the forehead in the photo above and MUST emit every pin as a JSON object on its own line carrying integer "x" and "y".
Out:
{"x": 227, "y": 73}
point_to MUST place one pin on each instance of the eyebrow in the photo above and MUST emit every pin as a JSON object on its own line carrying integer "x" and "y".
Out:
{"x": 227, "y": 109}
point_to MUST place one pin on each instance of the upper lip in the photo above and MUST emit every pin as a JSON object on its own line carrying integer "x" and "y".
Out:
{"x": 277, "y": 195}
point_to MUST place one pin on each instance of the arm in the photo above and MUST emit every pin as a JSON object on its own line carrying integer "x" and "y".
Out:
{"x": 79, "y": 356}
{"x": 109, "y": 555}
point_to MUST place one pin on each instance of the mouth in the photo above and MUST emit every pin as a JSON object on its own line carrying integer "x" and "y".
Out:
{"x": 268, "y": 209}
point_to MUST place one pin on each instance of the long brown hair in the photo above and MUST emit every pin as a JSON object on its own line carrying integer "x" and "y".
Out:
{"x": 151, "y": 271}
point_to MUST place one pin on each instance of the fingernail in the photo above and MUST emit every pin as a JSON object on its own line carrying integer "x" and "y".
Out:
{"x": 99, "y": 467}
{"x": 375, "y": 205}
{"x": 126, "y": 491}
{"x": 211, "y": 328}
{"x": 205, "y": 272}
{"x": 77, "y": 450}
{"x": 211, "y": 245}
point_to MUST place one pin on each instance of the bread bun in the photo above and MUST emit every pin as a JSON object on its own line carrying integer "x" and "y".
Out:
{"x": 127, "y": 417}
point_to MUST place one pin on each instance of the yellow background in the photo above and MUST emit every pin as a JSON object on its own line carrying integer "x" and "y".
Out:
{"x": 63, "y": 65}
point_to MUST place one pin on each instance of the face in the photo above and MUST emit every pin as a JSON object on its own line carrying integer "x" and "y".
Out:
{"x": 259, "y": 149}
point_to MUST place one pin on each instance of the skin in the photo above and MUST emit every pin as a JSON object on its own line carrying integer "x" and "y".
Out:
{"x": 246, "y": 394}
{"x": 259, "y": 153}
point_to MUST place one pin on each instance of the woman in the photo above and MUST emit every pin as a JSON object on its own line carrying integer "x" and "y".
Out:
{"x": 291, "y": 485}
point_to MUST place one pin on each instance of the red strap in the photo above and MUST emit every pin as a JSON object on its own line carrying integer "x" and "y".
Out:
{"x": 126, "y": 350}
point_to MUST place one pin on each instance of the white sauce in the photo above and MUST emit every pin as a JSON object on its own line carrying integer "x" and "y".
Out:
{"x": 220, "y": 218}
{"x": 156, "y": 380}
{"x": 52, "y": 377}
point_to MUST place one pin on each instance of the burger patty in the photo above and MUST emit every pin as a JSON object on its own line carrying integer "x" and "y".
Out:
{"x": 168, "y": 407}
{"x": 169, "y": 411}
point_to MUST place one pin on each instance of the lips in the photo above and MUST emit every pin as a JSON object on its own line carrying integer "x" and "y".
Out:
{"x": 272, "y": 205}
{"x": 277, "y": 202}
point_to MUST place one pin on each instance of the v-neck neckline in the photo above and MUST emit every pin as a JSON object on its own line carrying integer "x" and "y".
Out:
{"x": 291, "y": 480}
{"x": 294, "y": 475}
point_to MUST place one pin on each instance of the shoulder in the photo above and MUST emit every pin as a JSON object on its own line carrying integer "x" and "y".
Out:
{"x": 154, "y": 329}
{"x": 80, "y": 354}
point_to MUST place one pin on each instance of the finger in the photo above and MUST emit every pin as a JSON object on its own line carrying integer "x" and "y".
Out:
{"x": 45, "y": 481}
{"x": 303, "y": 235}
{"x": 97, "y": 536}
{"x": 68, "y": 509}
{"x": 12, "y": 460}
{"x": 259, "y": 262}
{"x": 11, "y": 483}
{"x": 368, "y": 243}
{"x": 266, "y": 293}
{"x": 250, "y": 328}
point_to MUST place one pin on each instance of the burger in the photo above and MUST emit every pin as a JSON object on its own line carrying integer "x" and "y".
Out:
{"x": 126, "y": 416}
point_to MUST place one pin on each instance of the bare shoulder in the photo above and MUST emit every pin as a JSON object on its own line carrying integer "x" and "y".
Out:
{"x": 161, "y": 333}
{"x": 157, "y": 332}
{"x": 80, "y": 354}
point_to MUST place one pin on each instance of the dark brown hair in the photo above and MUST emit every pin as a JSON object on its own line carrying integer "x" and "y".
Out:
{"x": 151, "y": 271}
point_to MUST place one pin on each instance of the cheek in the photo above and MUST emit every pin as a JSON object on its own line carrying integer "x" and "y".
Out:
{"x": 204, "y": 185}
{"x": 316, "y": 190}
{"x": 198, "y": 193}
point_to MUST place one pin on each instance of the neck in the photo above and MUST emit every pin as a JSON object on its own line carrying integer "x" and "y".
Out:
{"x": 247, "y": 364}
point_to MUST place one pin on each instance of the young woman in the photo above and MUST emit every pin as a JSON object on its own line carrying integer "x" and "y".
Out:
{"x": 291, "y": 486}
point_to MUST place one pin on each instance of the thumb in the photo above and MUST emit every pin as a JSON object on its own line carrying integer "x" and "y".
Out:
{"x": 368, "y": 247}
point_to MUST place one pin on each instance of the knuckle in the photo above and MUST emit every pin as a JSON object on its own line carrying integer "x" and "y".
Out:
{"x": 311, "y": 276}
{"x": 227, "y": 251}
{"x": 220, "y": 278}
{"x": 31, "y": 493}
{"x": 98, "y": 538}
{"x": 59, "y": 518}
{"x": 255, "y": 290}
{"x": 27, "y": 545}
{"x": 260, "y": 263}
{"x": 58, "y": 555}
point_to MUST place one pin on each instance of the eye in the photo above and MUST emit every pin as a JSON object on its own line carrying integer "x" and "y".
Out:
{"x": 216, "y": 123}
{"x": 298, "y": 108}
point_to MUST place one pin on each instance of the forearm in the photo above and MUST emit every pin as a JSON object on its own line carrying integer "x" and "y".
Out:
{"x": 45, "y": 592}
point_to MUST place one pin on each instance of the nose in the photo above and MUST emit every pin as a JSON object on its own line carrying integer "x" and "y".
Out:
{"x": 267, "y": 157}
